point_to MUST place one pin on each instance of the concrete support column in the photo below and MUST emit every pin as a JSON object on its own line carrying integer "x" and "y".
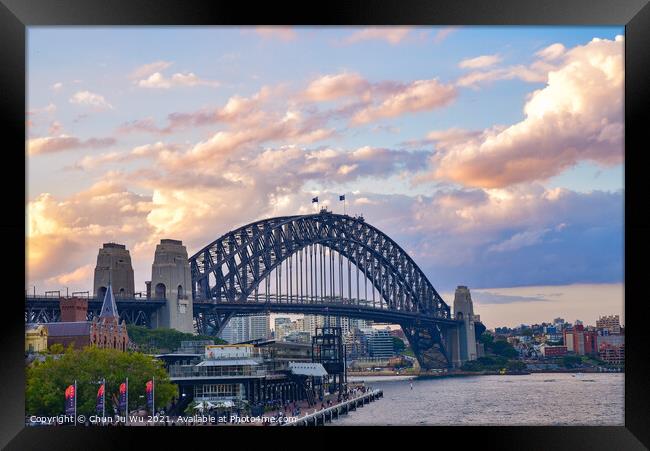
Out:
{"x": 452, "y": 341}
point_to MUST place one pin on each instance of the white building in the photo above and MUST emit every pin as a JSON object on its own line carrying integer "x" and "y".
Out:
{"x": 246, "y": 328}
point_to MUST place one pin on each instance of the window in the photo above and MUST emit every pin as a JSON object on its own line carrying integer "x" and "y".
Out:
{"x": 161, "y": 291}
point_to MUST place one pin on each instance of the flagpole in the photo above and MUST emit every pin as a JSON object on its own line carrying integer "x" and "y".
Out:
{"x": 153, "y": 395}
{"x": 75, "y": 402}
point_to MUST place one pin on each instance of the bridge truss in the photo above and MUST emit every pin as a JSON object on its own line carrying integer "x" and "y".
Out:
{"x": 324, "y": 264}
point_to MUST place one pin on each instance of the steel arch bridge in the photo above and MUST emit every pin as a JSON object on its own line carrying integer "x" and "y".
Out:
{"x": 235, "y": 275}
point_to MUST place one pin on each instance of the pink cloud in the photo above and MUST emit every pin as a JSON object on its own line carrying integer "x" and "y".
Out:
{"x": 51, "y": 144}
{"x": 281, "y": 33}
{"x": 330, "y": 87}
{"x": 420, "y": 95}
{"x": 577, "y": 116}
{"x": 392, "y": 35}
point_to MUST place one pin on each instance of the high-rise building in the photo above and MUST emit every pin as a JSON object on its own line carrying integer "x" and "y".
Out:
{"x": 246, "y": 328}
{"x": 580, "y": 341}
{"x": 380, "y": 343}
{"x": 611, "y": 324}
{"x": 114, "y": 267}
{"x": 280, "y": 326}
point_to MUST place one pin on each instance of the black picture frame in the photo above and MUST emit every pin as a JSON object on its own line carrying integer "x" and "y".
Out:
{"x": 16, "y": 15}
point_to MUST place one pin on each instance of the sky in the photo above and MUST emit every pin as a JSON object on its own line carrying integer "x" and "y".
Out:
{"x": 492, "y": 155}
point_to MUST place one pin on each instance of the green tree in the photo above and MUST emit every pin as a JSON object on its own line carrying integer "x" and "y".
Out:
{"x": 47, "y": 380}
{"x": 398, "y": 345}
{"x": 486, "y": 338}
{"x": 505, "y": 349}
{"x": 570, "y": 361}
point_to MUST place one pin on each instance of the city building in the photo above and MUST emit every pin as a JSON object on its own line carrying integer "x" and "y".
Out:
{"x": 242, "y": 375}
{"x": 611, "y": 354}
{"x": 553, "y": 351}
{"x": 611, "y": 324}
{"x": 380, "y": 343}
{"x": 281, "y": 326}
{"x": 35, "y": 338}
{"x": 114, "y": 267}
{"x": 580, "y": 341}
{"x": 356, "y": 344}
{"x": 298, "y": 336}
{"x": 104, "y": 331}
{"x": 243, "y": 328}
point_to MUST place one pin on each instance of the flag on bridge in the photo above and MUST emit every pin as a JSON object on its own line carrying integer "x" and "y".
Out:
{"x": 342, "y": 197}
{"x": 71, "y": 400}
{"x": 314, "y": 200}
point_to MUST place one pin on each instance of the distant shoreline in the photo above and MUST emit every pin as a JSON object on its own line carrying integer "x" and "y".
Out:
{"x": 366, "y": 374}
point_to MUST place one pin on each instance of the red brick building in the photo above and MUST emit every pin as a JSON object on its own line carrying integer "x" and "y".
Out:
{"x": 581, "y": 341}
{"x": 553, "y": 351}
{"x": 104, "y": 331}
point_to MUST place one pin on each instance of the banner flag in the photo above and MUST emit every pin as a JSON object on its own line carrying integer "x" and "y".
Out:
{"x": 122, "y": 398}
{"x": 314, "y": 200}
{"x": 70, "y": 395}
{"x": 149, "y": 391}
{"x": 101, "y": 400}
{"x": 342, "y": 197}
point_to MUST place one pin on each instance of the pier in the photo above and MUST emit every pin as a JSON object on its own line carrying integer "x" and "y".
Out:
{"x": 329, "y": 414}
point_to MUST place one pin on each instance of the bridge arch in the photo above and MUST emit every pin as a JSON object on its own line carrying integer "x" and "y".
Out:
{"x": 231, "y": 268}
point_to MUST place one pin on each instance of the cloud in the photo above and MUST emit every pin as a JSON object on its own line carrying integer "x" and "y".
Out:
{"x": 69, "y": 232}
{"x": 87, "y": 98}
{"x": 55, "y": 128}
{"x": 443, "y": 34}
{"x": 420, "y": 95}
{"x": 486, "y": 297}
{"x": 237, "y": 110}
{"x": 157, "y": 149}
{"x": 552, "y": 52}
{"x": 519, "y": 240}
{"x": 577, "y": 116}
{"x": 189, "y": 79}
{"x": 331, "y": 87}
{"x": 533, "y": 74}
{"x": 147, "y": 69}
{"x": 392, "y": 35}
{"x": 52, "y": 144}
{"x": 57, "y": 86}
{"x": 80, "y": 275}
{"x": 281, "y": 33}
{"x": 480, "y": 62}
{"x": 48, "y": 109}
{"x": 453, "y": 234}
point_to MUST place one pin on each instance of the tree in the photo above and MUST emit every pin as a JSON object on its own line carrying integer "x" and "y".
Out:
{"x": 505, "y": 349}
{"x": 398, "y": 345}
{"x": 486, "y": 338}
{"x": 47, "y": 380}
{"x": 570, "y": 361}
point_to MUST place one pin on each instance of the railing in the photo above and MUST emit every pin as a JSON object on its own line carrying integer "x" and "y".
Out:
{"x": 191, "y": 371}
{"x": 343, "y": 407}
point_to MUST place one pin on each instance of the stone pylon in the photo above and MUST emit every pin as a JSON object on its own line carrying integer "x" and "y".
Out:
{"x": 114, "y": 268}
{"x": 464, "y": 311}
{"x": 171, "y": 280}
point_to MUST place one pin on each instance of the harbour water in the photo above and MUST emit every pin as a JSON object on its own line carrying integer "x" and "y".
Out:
{"x": 534, "y": 399}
